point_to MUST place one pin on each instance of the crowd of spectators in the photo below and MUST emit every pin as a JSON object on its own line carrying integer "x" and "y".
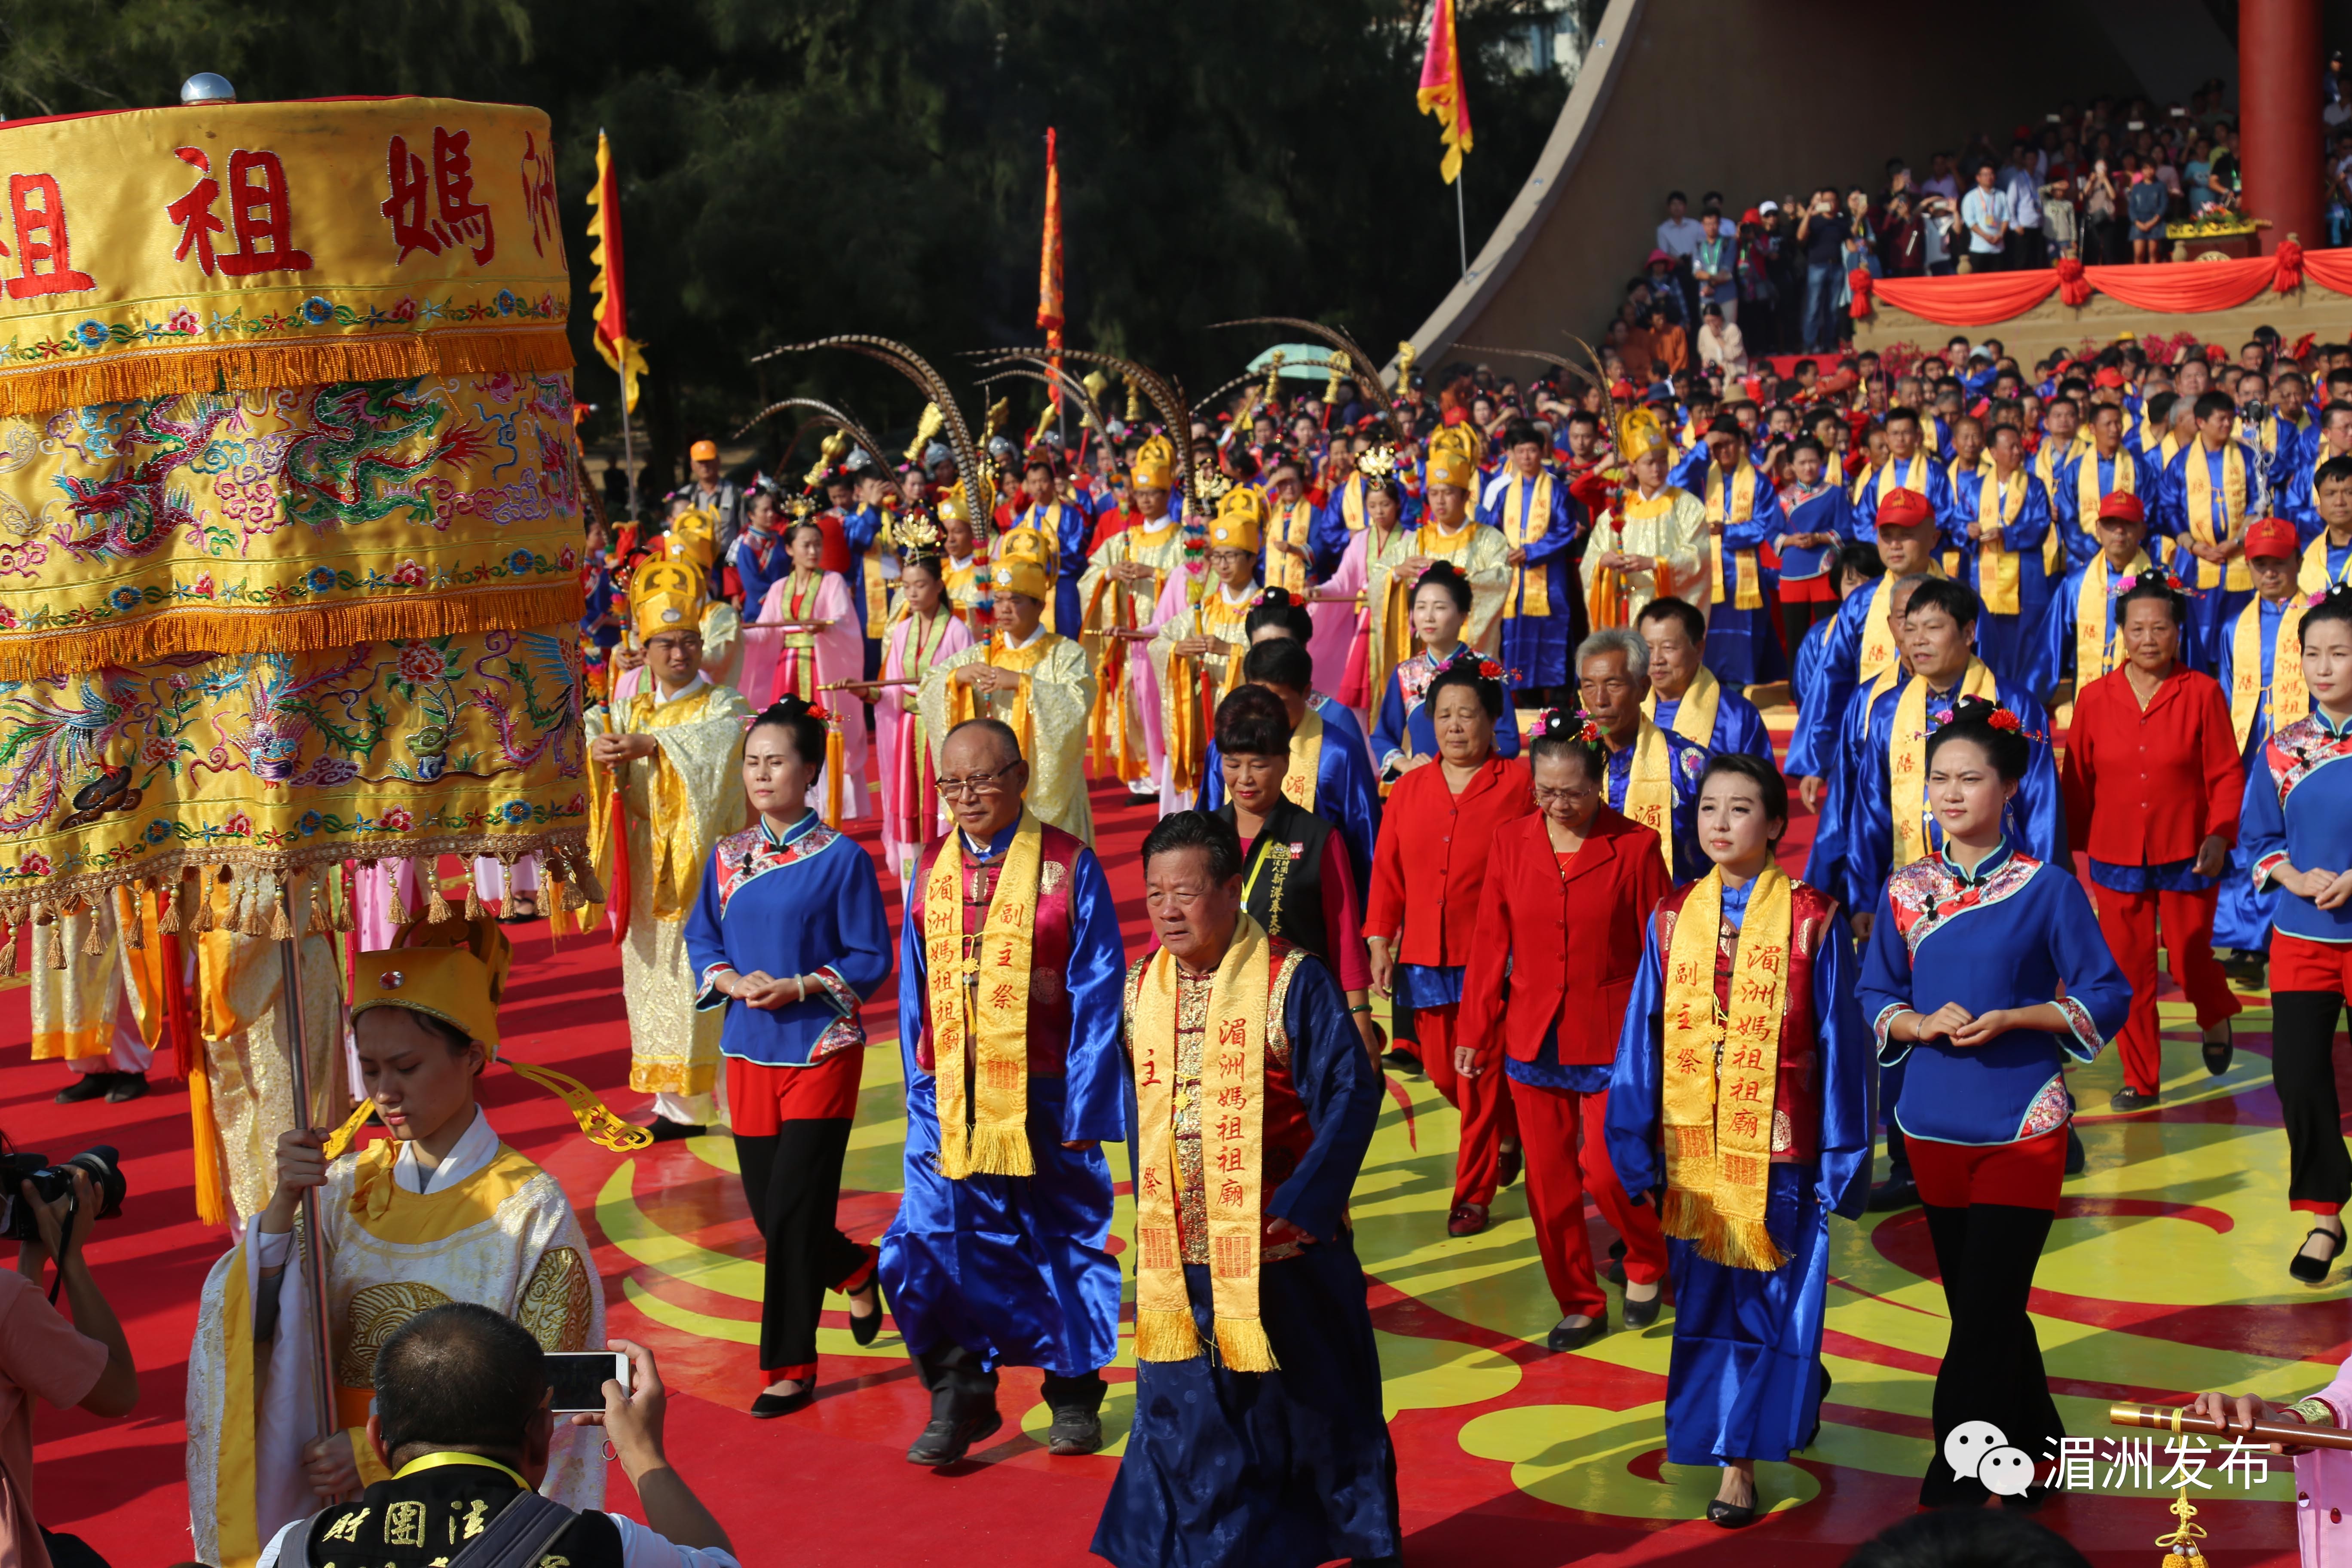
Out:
{"x": 2099, "y": 185}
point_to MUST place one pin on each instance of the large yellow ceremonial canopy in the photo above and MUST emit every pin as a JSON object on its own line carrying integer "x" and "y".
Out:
{"x": 289, "y": 512}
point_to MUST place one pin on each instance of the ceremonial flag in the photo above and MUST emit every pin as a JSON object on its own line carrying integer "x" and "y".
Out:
{"x": 1442, "y": 91}
{"x": 614, "y": 344}
{"x": 1049, "y": 262}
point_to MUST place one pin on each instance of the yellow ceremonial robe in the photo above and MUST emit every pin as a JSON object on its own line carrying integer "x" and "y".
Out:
{"x": 1049, "y": 713}
{"x": 1117, "y": 727}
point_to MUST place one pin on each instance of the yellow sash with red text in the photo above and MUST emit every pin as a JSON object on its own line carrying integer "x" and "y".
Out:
{"x": 1907, "y": 758}
{"x": 2094, "y": 630}
{"x": 1695, "y": 720}
{"x": 979, "y": 998}
{"x": 2196, "y": 496}
{"x": 1306, "y": 761}
{"x": 2290, "y": 698}
{"x": 1232, "y": 1157}
{"x": 1527, "y": 515}
{"x": 1999, "y": 500}
{"x": 1737, "y": 507}
{"x": 1722, "y": 1072}
{"x": 1650, "y": 788}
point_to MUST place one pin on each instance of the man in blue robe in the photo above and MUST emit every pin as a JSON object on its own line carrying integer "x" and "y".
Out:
{"x": 1906, "y": 467}
{"x": 1683, "y": 691}
{"x": 982, "y": 1269}
{"x": 1612, "y": 682}
{"x": 2123, "y": 551}
{"x": 1998, "y": 521}
{"x": 1291, "y": 1466}
{"x": 2207, "y": 520}
{"x": 1743, "y": 514}
{"x": 1347, "y": 795}
{"x": 2241, "y": 920}
{"x": 1071, "y": 532}
{"x": 1543, "y": 603}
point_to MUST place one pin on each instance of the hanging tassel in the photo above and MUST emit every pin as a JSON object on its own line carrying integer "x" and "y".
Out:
{"x": 167, "y": 913}
{"x": 474, "y": 909}
{"x": 93, "y": 944}
{"x": 341, "y": 885}
{"x": 315, "y": 922}
{"x": 280, "y": 928}
{"x": 54, "y": 955}
{"x": 134, "y": 935}
{"x": 436, "y": 907}
{"x": 206, "y": 919}
{"x": 393, "y": 909}
{"x": 247, "y": 908}
{"x": 8, "y": 945}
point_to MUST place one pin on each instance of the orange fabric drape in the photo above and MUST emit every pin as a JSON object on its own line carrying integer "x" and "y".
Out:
{"x": 2172, "y": 287}
{"x": 2331, "y": 270}
{"x": 2186, "y": 285}
{"x": 1977, "y": 299}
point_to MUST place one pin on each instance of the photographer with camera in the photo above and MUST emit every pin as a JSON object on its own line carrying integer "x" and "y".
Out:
{"x": 463, "y": 1420}
{"x": 86, "y": 1362}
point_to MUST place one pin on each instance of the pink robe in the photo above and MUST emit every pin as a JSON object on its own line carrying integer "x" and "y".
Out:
{"x": 839, "y": 654}
{"x": 910, "y": 807}
{"x": 1339, "y": 626}
{"x": 2323, "y": 1486}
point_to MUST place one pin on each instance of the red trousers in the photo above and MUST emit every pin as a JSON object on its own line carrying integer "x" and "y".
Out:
{"x": 1568, "y": 1155}
{"x": 1485, "y": 1102}
{"x": 2129, "y": 922}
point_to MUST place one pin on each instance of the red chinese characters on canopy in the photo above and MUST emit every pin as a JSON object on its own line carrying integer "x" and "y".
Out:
{"x": 431, "y": 210}
{"x": 261, "y": 216}
{"x": 539, "y": 194}
{"x": 44, "y": 260}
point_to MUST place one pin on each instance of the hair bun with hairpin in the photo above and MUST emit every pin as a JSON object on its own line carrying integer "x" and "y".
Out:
{"x": 1563, "y": 724}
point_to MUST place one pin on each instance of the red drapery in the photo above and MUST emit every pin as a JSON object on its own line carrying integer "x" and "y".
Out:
{"x": 1982, "y": 299}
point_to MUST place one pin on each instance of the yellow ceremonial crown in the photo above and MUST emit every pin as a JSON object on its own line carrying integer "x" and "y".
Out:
{"x": 455, "y": 972}
{"x": 1639, "y": 433}
{"x": 1454, "y": 457}
{"x": 1155, "y": 465}
{"x": 1240, "y": 522}
{"x": 667, "y": 596}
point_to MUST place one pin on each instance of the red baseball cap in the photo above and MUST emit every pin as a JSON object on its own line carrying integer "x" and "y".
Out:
{"x": 1904, "y": 508}
{"x": 2124, "y": 505}
{"x": 2110, "y": 377}
{"x": 2273, "y": 536}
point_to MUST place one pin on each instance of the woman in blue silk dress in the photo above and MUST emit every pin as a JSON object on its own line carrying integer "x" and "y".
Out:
{"x": 1986, "y": 970}
{"x": 1746, "y": 1380}
{"x": 788, "y": 935}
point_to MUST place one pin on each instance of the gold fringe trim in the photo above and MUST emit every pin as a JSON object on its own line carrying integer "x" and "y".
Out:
{"x": 1001, "y": 1152}
{"x": 55, "y": 957}
{"x": 93, "y": 943}
{"x": 281, "y": 928}
{"x": 121, "y": 376}
{"x": 474, "y": 910}
{"x": 1166, "y": 1336}
{"x": 167, "y": 634}
{"x": 1242, "y": 1345}
{"x": 167, "y": 914}
{"x": 394, "y": 912}
{"x": 134, "y": 935}
{"x": 314, "y": 920}
{"x": 1731, "y": 1243}
{"x": 436, "y": 907}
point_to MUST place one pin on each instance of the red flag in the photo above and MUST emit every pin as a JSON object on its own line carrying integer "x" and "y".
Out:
{"x": 1049, "y": 265}
{"x": 1442, "y": 89}
{"x": 612, "y": 328}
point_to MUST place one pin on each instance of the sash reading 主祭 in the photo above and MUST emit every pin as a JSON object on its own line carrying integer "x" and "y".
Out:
{"x": 2196, "y": 496}
{"x": 1526, "y": 517}
{"x": 1232, "y": 1157}
{"x": 2290, "y": 698}
{"x": 1721, "y": 1071}
{"x": 1650, "y": 788}
{"x": 1695, "y": 719}
{"x": 2095, "y": 629}
{"x": 1306, "y": 761}
{"x": 1748, "y": 594}
{"x": 979, "y": 1008}
{"x": 1997, "y": 568}
{"x": 1907, "y": 758}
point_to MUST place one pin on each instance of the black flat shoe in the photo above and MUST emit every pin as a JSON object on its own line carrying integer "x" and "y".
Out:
{"x": 88, "y": 1086}
{"x": 1397, "y": 1059}
{"x": 1730, "y": 1515}
{"x": 865, "y": 1330}
{"x": 1566, "y": 1336}
{"x": 943, "y": 1442}
{"x": 2217, "y": 1053}
{"x": 2077, "y": 1157}
{"x": 1642, "y": 1314}
{"x": 127, "y": 1087}
{"x": 1615, "y": 1272}
{"x": 2314, "y": 1271}
{"x": 1898, "y": 1192}
{"x": 1073, "y": 1432}
{"x": 665, "y": 1131}
{"x": 2129, "y": 1100}
{"x": 1508, "y": 1165}
{"x": 767, "y": 1406}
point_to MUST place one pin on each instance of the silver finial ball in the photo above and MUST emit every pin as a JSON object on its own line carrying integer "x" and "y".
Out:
{"x": 207, "y": 87}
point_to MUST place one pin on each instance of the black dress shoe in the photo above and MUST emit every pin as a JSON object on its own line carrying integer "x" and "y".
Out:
{"x": 1642, "y": 1314}
{"x": 945, "y": 1441}
{"x": 1398, "y": 1059}
{"x": 767, "y": 1406}
{"x": 2314, "y": 1271}
{"x": 1508, "y": 1165}
{"x": 2077, "y": 1157}
{"x": 1567, "y": 1336}
{"x": 85, "y": 1085}
{"x": 665, "y": 1131}
{"x": 1730, "y": 1515}
{"x": 1898, "y": 1192}
{"x": 2217, "y": 1053}
{"x": 866, "y": 1329}
{"x": 1075, "y": 1432}
{"x": 127, "y": 1086}
{"x": 2129, "y": 1100}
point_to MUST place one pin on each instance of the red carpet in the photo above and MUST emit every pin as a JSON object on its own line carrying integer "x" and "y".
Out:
{"x": 1509, "y": 1456}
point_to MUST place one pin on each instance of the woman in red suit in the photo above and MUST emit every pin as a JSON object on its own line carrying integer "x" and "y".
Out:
{"x": 2152, "y": 786}
{"x": 1429, "y": 874}
{"x": 1568, "y": 893}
